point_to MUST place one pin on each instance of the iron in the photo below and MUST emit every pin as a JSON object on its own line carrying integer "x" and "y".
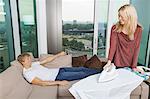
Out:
{"x": 108, "y": 74}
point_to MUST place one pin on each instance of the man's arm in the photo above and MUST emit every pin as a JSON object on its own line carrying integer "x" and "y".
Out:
{"x": 51, "y": 58}
{"x": 38, "y": 81}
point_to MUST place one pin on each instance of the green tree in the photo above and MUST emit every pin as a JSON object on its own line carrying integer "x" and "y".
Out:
{"x": 80, "y": 46}
{"x": 65, "y": 42}
{"x": 74, "y": 44}
{"x": 67, "y": 26}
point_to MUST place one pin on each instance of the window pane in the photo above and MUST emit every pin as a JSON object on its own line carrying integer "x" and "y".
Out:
{"x": 101, "y": 18}
{"x": 78, "y": 26}
{"x": 28, "y": 26}
{"x": 6, "y": 41}
{"x": 2, "y": 13}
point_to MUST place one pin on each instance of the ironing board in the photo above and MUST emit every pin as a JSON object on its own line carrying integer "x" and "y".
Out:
{"x": 119, "y": 88}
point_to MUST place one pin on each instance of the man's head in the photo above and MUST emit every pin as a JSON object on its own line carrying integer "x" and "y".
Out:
{"x": 25, "y": 59}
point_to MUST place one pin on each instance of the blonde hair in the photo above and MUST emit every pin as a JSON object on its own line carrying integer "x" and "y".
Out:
{"x": 21, "y": 57}
{"x": 131, "y": 15}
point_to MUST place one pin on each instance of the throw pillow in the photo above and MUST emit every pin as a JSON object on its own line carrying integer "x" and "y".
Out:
{"x": 94, "y": 63}
{"x": 79, "y": 61}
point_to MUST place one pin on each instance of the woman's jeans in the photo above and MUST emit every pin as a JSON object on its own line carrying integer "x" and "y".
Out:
{"x": 75, "y": 73}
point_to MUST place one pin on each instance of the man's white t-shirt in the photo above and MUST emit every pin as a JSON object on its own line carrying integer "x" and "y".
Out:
{"x": 43, "y": 73}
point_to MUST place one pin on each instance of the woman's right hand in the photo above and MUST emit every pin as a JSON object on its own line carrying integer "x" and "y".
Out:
{"x": 107, "y": 65}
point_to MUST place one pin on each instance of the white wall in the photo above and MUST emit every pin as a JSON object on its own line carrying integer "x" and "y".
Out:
{"x": 54, "y": 25}
{"x": 15, "y": 27}
{"x": 41, "y": 26}
{"x": 142, "y": 7}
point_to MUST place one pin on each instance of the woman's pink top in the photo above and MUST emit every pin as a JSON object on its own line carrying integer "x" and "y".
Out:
{"x": 123, "y": 51}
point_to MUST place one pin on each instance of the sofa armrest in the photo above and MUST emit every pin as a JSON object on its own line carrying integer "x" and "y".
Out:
{"x": 59, "y": 62}
{"x": 145, "y": 90}
{"x": 43, "y": 56}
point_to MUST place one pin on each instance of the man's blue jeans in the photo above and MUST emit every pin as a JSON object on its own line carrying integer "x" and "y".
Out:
{"x": 75, "y": 73}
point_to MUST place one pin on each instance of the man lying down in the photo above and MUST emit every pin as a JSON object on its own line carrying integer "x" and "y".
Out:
{"x": 36, "y": 73}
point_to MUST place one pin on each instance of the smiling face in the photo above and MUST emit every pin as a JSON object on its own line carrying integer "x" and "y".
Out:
{"x": 122, "y": 18}
{"x": 127, "y": 20}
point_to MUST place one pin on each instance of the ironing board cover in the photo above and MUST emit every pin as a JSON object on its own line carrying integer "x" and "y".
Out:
{"x": 119, "y": 88}
{"x": 145, "y": 76}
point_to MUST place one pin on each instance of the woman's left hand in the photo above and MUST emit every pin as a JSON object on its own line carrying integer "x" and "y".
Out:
{"x": 138, "y": 70}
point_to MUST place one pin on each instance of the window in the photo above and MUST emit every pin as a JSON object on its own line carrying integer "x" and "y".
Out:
{"x": 28, "y": 27}
{"x": 78, "y": 26}
{"x": 101, "y": 15}
{"x": 82, "y": 35}
{"x": 6, "y": 39}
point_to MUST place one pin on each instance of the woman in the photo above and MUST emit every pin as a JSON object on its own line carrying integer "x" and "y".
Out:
{"x": 124, "y": 49}
{"x": 125, "y": 39}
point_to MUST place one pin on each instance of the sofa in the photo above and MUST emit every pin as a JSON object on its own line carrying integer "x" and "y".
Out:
{"x": 14, "y": 86}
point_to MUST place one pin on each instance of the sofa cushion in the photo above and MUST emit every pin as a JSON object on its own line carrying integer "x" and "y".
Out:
{"x": 13, "y": 83}
{"x": 63, "y": 90}
{"x": 8, "y": 78}
{"x": 43, "y": 92}
{"x": 17, "y": 64}
{"x": 21, "y": 90}
{"x": 62, "y": 61}
{"x": 79, "y": 61}
{"x": 93, "y": 62}
{"x": 66, "y": 97}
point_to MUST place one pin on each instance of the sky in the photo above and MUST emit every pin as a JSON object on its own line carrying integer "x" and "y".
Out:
{"x": 83, "y": 10}
{"x": 80, "y": 10}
